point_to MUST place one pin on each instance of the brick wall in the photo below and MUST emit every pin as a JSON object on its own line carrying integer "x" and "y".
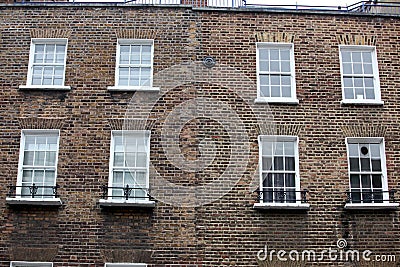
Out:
{"x": 228, "y": 231}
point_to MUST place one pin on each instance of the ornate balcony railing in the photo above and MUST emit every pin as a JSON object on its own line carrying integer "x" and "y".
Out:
{"x": 33, "y": 191}
{"x": 282, "y": 196}
{"x": 371, "y": 196}
{"x": 125, "y": 193}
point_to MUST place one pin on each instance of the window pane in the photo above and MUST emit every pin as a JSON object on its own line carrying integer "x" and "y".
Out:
{"x": 49, "y": 55}
{"x": 50, "y": 158}
{"x": 279, "y": 180}
{"x": 376, "y": 165}
{"x": 369, "y": 94}
{"x": 278, "y": 163}
{"x": 353, "y": 150}
{"x": 266, "y": 163}
{"x": 348, "y": 82}
{"x": 354, "y": 165}
{"x": 357, "y": 68}
{"x": 289, "y": 148}
{"x": 290, "y": 180}
{"x": 346, "y": 56}
{"x": 49, "y": 178}
{"x": 375, "y": 150}
{"x": 141, "y": 160}
{"x": 286, "y": 91}
{"x": 285, "y": 66}
{"x": 141, "y": 179}
{"x": 274, "y": 66}
{"x": 129, "y": 178}
{"x": 28, "y": 157}
{"x": 355, "y": 181}
{"x": 39, "y": 158}
{"x": 38, "y": 177}
{"x": 274, "y": 54}
{"x": 356, "y": 56}
{"x": 348, "y": 93}
{"x": 376, "y": 181}
{"x": 118, "y": 179}
{"x": 285, "y": 54}
{"x": 264, "y": 66}
{"x": 27, "y": 176}
{"x": 264, "y": 80}
{"x": 267, "y": 180}
{"x": 368, "y": 69}
{"x": 289, "y": 164}
{"x": 365, "y": 164}
{"x": 278, "y": 148}
{"x": 365, "y": 181}
{"x": 347, "y": 68}
{"x": 367, "y": 57}
{"x": 118, "y": 159}
{"x": 275, "y": 91}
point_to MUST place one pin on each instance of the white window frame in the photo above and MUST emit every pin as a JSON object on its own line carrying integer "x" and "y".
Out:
{"x": 383, "y": 172}
{"x": 286, "y": 100}
{"x": 37, "y": 41}
{"x": 271, "y": 205}
{"x": 122, "y": 201}
{"x": 375, "y": 76}
{"x": 118, "y": 87}
{"x": 125, "y": 265}
{"x": 37, "y": 200}
{"x": 30, "y": 263}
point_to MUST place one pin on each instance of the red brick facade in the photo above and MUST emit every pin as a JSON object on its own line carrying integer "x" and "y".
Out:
{"x": 227, "y": 231}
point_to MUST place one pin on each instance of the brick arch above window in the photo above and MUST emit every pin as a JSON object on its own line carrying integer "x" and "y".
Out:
{"x": 136, "y": 33}
{"x": 364, "y": 130}
{"x": 50, "y": 33}
{"x": 281, "y": 129}
{"x": 41, "y": 123}
{"x": 275, "y": 37}
{"x": 354, "y": 39}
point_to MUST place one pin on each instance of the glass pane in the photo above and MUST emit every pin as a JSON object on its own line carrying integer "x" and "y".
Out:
{"x": 130, "y": 160}
{"x": 263, "y": 54}
{"x": 354, "y": 181}
{"x": 285, "y": 54}
{"x": 369, "y": 82}
{"x": 267, "y": 180}
{"x": 353, "y": 150}
{"x": 27, "y": 176}
{"x": 347, "y": 68}
{"x": 369, "y": 94}
{"x": 118, "y": 179}
{"x": 289, "y": 164}
{"x": 278, "y": 148}
{"x": 264, "y": 79}
{"x": 376, "y": 165}
{"x": 285, "y": 80}
{"x": 29, "y": 143}
{"x": 130, "y": 179}
{"x": 355, "y": 196}
{"x": 118, "y": 159}
{"x": 289, "y": 148}
{"x": 50, "y": 159}
{"x": 123, "y": 81}
{"x": 268, "y": 195}
{"x": 291, "y": 196}
{"x": 41, "y": 143}
{"x": 38, "y": 177}
{"x": 357, "y": 68}
{"x": 267, "y": 148}
{"x": 28, "y": 157}
{"x": 49, "y": 178}
{"x": 278, "y": 163}
{"x": 348, "y": 93}
{"x": 356, "y": 56}
{"x": 358, "y": 82}
{"x": 285, "y": 66}
{"x": 279, "y": 180}
{"x": 49, "y": 56}
{"x": 365, "y": 181}
{"x": 375, "y": 150}
{"x": 274, "y": 66}
{"x": 368, "y": 69}
{"x": 264, "y": 91}
{"x": 290, "y": 180}
{"x": 365, "y": 164}
{"x": 354, "y": 165}
{"x": 376, "y": 181}
{"x": 141, "y": 179}
{"x": 367, "y": 57}
{"x": 274, "y": 54}
{"x": 348, "y": 82}
{"x": 141, "y": 160}
{"x": 39, "y": 158}
{"x": 275, "y": 91}
{"x": 266, "y": 163}
{"x": 264, "y": 66}
{"x": 286, "y": 91}
{"x": 346, "y": 56}
{"x": 359, "y": 93}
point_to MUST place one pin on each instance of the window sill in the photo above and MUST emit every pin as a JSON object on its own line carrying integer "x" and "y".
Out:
{"x": 371, "y": 206}
{"x": 126, "y": 203}
{"x": 133, "y": 88}
{"x": 45, "y": 87}
{"x": 361, "y": 102}
{"x": 275, "y": 206}
{"x": 34, "y": 201}
{"x": 276, "y": 100}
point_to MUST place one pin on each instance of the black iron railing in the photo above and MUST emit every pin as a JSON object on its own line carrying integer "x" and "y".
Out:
{"x": 126, "y": 192}
{"x": 33, "y": 191}
{"x": 282, "y": 196}
{"x": 370, "y": 196}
